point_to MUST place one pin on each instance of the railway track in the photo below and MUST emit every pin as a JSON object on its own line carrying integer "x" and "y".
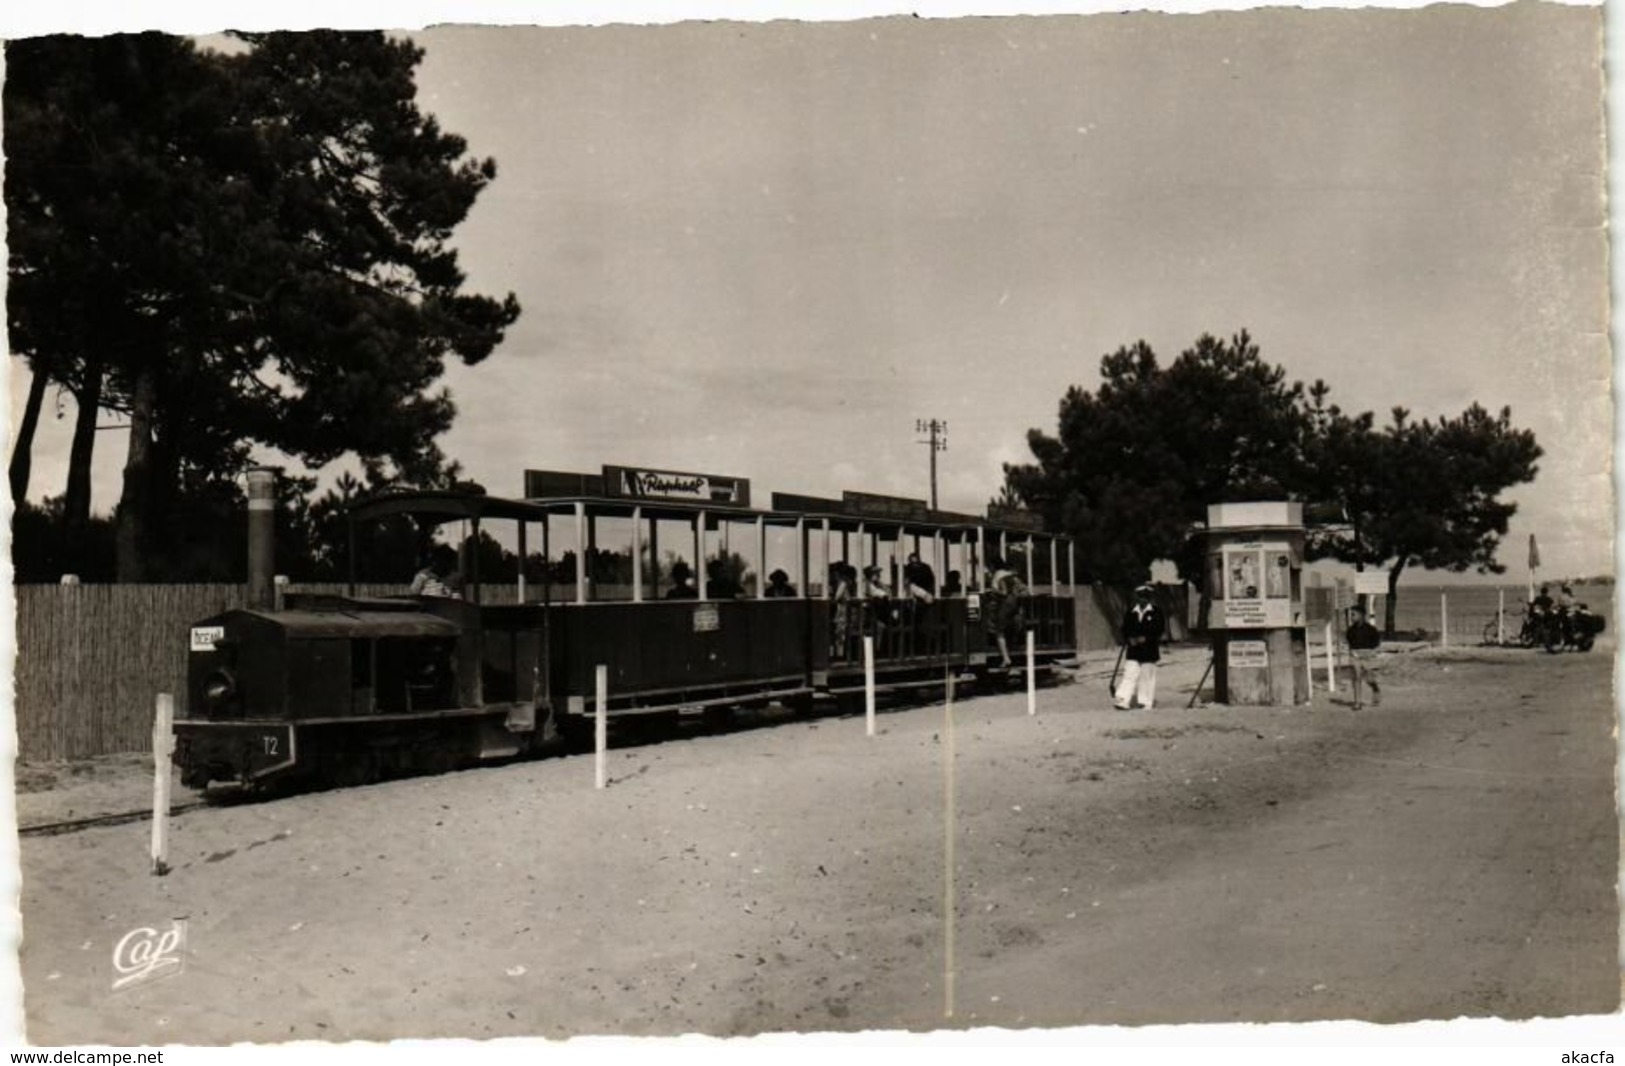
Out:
{"x": 74, "y": 825}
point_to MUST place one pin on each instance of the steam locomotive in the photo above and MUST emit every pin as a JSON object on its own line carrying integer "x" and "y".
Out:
{"x": 345, "y": 688}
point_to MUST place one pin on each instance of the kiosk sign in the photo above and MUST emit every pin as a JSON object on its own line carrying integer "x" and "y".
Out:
{"x": 1248, "y": 655}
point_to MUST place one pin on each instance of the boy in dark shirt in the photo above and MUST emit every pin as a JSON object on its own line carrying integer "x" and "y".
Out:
{"x": 1364, "y": 639}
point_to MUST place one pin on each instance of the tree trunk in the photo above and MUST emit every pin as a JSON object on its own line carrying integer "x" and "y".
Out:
{"x": 76, "y": 502}
{"x": 1393, "y": 597}
{"x": 22, "y": 452}
{"x": 130, "y": 531}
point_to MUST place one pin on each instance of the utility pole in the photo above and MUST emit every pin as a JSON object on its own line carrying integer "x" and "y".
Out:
{"x": 938, "y": 442}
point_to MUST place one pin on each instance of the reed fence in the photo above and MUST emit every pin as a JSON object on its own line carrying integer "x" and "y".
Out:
{"x": 92, "y": 658}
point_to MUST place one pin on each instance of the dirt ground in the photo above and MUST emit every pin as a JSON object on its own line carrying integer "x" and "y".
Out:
{"x": 1450, "y": 853}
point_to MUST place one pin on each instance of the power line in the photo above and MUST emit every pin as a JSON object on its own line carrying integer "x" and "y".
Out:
{"x": 938, "y": 442}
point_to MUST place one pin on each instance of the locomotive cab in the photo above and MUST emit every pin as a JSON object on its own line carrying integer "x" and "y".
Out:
{"x": 258, "y": 679}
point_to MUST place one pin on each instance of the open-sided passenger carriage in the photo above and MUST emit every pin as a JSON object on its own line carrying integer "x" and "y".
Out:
{"x": 347, "y": 687}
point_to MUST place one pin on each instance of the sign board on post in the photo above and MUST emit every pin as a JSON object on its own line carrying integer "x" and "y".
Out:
{"x": 1247, "y": 655}
{"x": 1371, "y": 583}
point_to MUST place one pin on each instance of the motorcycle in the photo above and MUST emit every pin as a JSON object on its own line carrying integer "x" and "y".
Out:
{"x": 1575, "y": 629}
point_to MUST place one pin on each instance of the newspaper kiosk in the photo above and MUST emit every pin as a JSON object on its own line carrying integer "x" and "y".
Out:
{"x": 1256, "y": 618}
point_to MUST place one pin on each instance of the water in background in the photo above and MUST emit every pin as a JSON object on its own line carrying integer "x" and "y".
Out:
{"x": 1472, "y": 607}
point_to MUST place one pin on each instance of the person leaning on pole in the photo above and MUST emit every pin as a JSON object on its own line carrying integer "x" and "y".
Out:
{"x": 1143, "y": 626}
{"x": 1364, "y": 639}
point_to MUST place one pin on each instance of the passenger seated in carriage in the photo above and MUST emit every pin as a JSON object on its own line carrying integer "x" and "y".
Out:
{"x": 877, "y": 596}
{"x": 919, "y": 581}
{"x": 719, "y": 585}
{"x": 778, "y": 586}
{"x": 439, "y": 575}
{"x": 682, "y": 583}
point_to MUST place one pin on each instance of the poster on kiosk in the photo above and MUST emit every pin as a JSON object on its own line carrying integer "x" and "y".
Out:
{"x": 1257, "y": 582}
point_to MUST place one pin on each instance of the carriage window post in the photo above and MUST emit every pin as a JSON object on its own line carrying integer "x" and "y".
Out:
{"x": 547, "y": 561}
{"x": 581, "y": 552}
{"x": 761, "y": 557}
{"x": 824, "y": 576}
{"x": 801, "y": 557}
{"x": 700, "y": 591}
{"x": 1029, "y": 561}
{"x": 523, "y": 526}
{"x": 637, "y": 555}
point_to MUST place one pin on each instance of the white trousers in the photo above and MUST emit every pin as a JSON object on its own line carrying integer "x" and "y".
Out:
{"x": 1139, "y": 681}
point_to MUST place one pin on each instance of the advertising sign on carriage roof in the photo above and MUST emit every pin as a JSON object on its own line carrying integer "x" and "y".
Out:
{"x": 643, "y": 483}
{"x": 875, "y": 506}
{"x": 1015, "y": 518}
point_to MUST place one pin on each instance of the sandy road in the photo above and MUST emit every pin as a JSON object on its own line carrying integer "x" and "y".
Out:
{"x": 1451, "y": 853}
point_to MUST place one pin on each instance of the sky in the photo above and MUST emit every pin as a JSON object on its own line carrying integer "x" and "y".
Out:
{"x": 769, "y": 249}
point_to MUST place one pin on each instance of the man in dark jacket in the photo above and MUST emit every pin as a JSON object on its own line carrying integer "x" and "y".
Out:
{"x": 1143, "y": 626}
{"x": 1364, "y": 639}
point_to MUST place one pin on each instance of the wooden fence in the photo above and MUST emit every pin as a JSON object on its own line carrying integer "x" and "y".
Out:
{"x": 91, "y": 659}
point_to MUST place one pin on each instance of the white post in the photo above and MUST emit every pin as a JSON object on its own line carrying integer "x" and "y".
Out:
{"x": 600, "y": 725}
{"x": 1444, "y": 621}
{"x": 948, "y": 844}
{"x": 163, "y": 747}
{"x": 869, "y": 683}
{"x": 1331, "y": 660}
{"x": 1501, "y": 618}
{"x": 1032, "y": 676}
{"x": 1308, "y": 663}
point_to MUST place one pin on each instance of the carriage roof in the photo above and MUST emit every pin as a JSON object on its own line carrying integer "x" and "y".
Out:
{"x": 447, "y": 506}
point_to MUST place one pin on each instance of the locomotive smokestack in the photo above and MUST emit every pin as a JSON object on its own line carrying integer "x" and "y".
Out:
{"x": 261, "y": 538}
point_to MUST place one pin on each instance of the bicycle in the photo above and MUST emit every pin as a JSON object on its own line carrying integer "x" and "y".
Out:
{"x": 1530, "y": 631}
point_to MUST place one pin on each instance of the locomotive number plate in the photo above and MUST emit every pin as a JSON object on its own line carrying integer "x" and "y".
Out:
{"x": 706, "y": 619}
{"x": 204, "y": 637}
